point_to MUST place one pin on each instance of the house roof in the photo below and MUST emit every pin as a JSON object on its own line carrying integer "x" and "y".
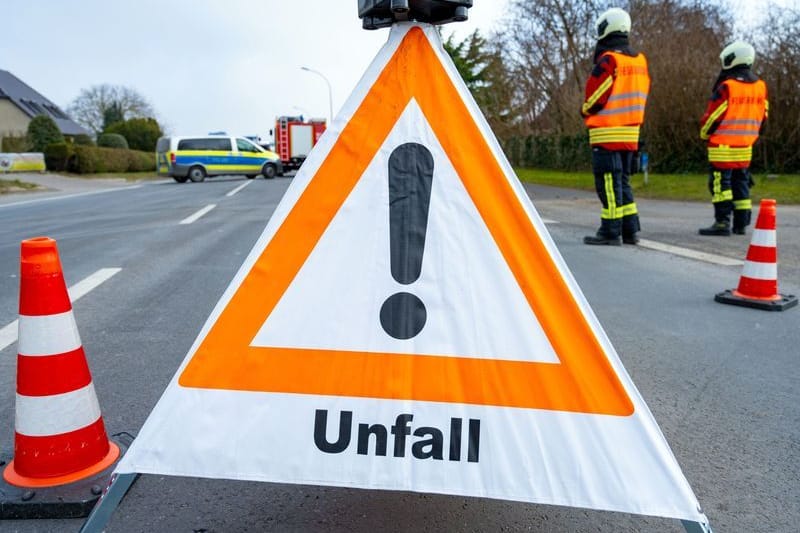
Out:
{"x": 32, "y": 103}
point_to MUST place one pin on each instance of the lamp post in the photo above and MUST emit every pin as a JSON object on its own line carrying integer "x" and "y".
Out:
{"x": 330, "y": 92}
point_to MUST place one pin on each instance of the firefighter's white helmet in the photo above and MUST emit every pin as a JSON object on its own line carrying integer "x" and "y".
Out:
{"x": 737, "y": 53}
{"x": 612, "y": 20}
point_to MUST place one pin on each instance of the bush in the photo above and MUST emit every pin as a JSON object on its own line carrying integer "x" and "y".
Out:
{"x": 141, "y": 133}
{"x": 42, "y": 130}
{"x": 140, "y": 161}
{"x": 15, "y": 144}
{"x": 112, "y": 140}
{"x": 83, "y": 140}
{"x": 90, "y": 159}
{"x": 56, "y": 156}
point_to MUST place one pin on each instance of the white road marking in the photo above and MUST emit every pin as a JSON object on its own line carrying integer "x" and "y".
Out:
{"x": 197, "y": 215}
{"x": 76, "y": 195}
{"x": 548, "y": 221}
{"x": 8, "y": 334}
{"x": 691, "y": 254}
{"x": 239, "y": 188}
{"x": 83, "y": 287}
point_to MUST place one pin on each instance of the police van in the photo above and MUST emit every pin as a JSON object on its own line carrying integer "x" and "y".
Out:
{"x": 198, "y": 157}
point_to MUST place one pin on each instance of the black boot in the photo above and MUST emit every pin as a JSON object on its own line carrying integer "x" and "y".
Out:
{"x": 602, "y": 240}
{"x": 630, "y": 239}
{"x": 738, "y": 231}
{"x": 717, "y": 228}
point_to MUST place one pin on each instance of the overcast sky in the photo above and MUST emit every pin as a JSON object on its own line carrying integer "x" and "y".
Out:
{"x": 204, "y": 65}
{"x": 207, "y": 65}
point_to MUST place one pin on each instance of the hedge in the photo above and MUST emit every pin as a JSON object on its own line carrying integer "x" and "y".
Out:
{"x": 56, "y": 156}
{"x": 572, "y": 152}
{"x": 112, "y": 140}
{"x": 16, "y": 144}
{"x": 563, "y": 152}
{"x": 91, "y": 159}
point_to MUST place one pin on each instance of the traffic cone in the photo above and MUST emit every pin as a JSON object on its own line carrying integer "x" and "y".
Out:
{"x": 59, "y": 436}
{"x": 758, "y": 284}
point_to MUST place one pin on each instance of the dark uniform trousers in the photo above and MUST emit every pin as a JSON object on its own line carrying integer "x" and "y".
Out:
{"x": 730, "y": 193}
{"x": 612, "y": 170}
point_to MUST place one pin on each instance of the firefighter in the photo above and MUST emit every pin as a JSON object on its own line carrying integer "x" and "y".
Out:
{"x": 616, "y": 94}
{"x": 731, "y": 124}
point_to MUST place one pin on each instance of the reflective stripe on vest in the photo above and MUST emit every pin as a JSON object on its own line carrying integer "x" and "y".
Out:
{"x": 730, "y": 154}
{"x": 623, "y": 113}
{"x": 619, "y": 134}
{"x": 747, "y": 103}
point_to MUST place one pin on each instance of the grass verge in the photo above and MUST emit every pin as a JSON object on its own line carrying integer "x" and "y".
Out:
{"x": 127, "y": 176}
{"x": 684, "y": 187}
{"x": 7, "y": 186}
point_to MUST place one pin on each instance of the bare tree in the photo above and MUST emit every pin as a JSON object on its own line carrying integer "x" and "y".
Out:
{"x": 682, "y": 41}
{"x": 548, "y": 44}
{"x": 777, "y": 45}
{"x": 94, "y": 105}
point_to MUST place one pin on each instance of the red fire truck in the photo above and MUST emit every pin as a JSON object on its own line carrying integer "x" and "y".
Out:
{"x": 294, "y": 138}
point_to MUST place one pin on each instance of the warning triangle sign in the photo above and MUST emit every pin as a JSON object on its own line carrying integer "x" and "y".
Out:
{"x": 405, "y": 276}
{"x": 582, "y": 380}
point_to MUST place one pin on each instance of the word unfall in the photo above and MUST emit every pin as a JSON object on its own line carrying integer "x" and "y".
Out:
{"x": 429, "y": 443}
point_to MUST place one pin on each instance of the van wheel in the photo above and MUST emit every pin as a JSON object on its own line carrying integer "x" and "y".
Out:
{"x": 269, "y": 171}
{"x": 197, "y": 174}
{"x": 180, "y": 179}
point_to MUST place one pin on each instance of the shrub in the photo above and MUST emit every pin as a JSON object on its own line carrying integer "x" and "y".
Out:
{"x": 91, "y": 159}
{"x": 141, "y": 133}
{"x": 140, "y": 161}
{"x": 112, "y": 140}
{"x": 56, "y": 156}
{"x": 83, "y": 140}
{"x": 42, "y": 130}
{"x": 15, "y": 144}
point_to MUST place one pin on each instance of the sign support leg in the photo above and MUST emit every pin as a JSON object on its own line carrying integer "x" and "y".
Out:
{"x": 696, "y": 527}
{"x": 101, "y": 514}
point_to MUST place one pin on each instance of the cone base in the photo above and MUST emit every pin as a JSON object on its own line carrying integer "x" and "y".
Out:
{"x": 12, "y": 477}
{"x": 73, "y": 500}
{"x": 780, "y": 303}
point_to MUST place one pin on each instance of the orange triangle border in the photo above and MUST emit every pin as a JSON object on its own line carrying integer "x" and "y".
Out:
{"x": 583, "y": 382}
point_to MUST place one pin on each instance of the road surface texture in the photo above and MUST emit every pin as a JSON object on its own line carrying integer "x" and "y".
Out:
{"x": 720, "y": 380}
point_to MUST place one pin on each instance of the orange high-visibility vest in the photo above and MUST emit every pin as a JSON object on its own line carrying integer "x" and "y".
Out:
{"x": 732, "y": 141}
{"x": 621, "y": 118}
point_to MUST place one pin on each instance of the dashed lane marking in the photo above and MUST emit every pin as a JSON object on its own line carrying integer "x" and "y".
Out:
{"x": 239, "y": 188}
{"x": 198, "y": 214}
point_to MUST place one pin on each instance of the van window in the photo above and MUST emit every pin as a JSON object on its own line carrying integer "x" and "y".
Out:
{"x": 162, "y": 145}
{"x": 246, "y": 146}
{"x": 222, "y": 144}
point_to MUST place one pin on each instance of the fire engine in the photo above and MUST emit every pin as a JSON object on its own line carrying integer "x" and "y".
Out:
{"x": 294, "y": 138}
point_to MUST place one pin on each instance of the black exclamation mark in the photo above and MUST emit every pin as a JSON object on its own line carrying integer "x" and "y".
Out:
{"x": 403, "y": 314}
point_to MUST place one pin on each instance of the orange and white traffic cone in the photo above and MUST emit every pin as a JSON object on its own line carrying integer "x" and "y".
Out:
{"x": 758, "y": 284}
{"x": 59, "y": 436}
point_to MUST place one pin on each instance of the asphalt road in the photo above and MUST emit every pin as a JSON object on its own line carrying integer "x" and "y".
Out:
{"x": 721, "y": 381}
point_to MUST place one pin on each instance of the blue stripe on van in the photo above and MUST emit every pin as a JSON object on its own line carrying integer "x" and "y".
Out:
{"x": 219, "y": 160}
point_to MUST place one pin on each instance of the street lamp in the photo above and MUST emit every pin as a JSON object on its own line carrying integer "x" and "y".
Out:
{"x": 330, "y": 92}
